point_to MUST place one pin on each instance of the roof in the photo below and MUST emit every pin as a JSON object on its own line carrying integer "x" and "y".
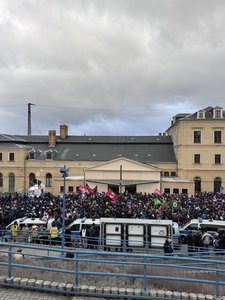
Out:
{"x": 145, "y": 149}
{"x": 208, "y": 114}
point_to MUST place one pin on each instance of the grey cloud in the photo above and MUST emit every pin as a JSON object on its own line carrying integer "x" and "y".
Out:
{"x": 115, "y": 67}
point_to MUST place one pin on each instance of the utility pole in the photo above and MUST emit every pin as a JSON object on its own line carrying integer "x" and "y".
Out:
{"x": 29, "y": 119}
{"x": 121, "y": 178}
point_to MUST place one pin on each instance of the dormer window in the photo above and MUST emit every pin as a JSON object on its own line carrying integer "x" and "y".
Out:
{"x": 49, "y": 155}
{"x": 217, "y": 113}
{"x": 201, "y": 114}
{"x": 32, "y": 155}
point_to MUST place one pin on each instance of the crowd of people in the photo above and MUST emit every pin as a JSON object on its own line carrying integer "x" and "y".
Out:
{"x": 179, "y": 208}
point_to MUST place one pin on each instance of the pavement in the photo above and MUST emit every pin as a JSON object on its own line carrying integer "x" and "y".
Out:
{"x": 20, "y": 294}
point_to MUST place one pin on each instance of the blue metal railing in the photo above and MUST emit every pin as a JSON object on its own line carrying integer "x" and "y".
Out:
{"x": 113, "y": 265}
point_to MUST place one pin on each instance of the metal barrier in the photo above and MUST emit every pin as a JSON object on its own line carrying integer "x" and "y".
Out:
{"x": 108, "y": 269}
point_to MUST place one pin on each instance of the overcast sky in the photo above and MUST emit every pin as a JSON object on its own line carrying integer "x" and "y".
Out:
{"x": 109, "y": 67}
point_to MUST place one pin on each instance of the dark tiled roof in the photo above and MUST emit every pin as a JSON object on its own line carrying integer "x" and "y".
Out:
{"x": 208, "y": 114}
{"x": 145, "y": 149}
{"x": 92, "y": 139}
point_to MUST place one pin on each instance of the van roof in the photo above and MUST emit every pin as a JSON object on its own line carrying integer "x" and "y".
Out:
{"x": 205, "y": 222}
{"x": 29, "y": 221}
{"x": 85, "y": 221}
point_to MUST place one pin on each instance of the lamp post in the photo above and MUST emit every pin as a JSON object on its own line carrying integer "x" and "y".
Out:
{"x": 64, "y": 171}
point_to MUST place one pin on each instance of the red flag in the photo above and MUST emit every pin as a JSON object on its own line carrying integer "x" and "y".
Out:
{"x": 112, "y": 195}
{"x": 87, "y": 189}
{"x": 83, "y": 189}
{"x": 157, "y": 192}
{"x": 90, "y": 190}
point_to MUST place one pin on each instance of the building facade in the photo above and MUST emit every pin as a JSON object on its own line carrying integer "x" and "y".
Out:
{"x": 199, "y": 146}
{"x": 188, "y": 158}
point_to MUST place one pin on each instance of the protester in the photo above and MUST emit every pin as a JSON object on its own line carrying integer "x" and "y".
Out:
{"x": 179, "y": 208}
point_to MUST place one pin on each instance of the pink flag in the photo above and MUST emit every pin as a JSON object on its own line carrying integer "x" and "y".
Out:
{"x": 157, "y": 192}
{"x": 112, "y": 195}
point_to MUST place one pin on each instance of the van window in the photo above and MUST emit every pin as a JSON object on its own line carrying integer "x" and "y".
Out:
{"x": 75, "y": 227}
{"x": 192, "y": 227}
{"x": 210, "y": 227}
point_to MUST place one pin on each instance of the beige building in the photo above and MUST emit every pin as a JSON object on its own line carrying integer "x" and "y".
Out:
{"x": 199, "y": 145}
{"x": 185, "y": 159}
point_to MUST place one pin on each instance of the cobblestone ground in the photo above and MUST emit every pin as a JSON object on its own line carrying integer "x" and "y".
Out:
{"x": 19, "y": 294}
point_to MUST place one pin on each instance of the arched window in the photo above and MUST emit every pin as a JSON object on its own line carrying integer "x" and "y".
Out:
{"x": 32, "y": 179}
{"x": 217, "y": 185}
{"x": 197, "y": 181}
{"x": 48, "y": 180}
{"x": 1, "y": 180}
{"x": 11, "y": 182}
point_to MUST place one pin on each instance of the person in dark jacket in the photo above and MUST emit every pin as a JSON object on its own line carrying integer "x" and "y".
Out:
{"x": 68, "y": 233}
{"x": 168, "y": 249}
{"x": 198, "y": 244}
{"x": 190, "y": 242}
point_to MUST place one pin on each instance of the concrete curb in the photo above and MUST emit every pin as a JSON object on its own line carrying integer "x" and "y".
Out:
{"x": 15, "y": 281}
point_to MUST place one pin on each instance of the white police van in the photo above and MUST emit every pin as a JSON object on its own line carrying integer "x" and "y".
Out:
{"x": 209, "y": 226}
{"x": 145, "y": 231}
{"x": 42, "y": 224}
{"x": 78, "y": 225}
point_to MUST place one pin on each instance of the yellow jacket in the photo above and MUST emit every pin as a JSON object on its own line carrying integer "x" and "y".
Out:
{"x": 14, "y": 229}
{"x": 54, "y": 232}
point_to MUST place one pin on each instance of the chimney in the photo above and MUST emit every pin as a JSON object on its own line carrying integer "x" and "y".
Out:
{"x": 63, "y": 131}
{"x": 51, "y": 138}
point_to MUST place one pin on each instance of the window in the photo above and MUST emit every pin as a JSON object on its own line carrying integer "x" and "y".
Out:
{"x": 0, "y": 156}
{"x": 11, "y": 156}
{"x": 70, "y": 189}
{"x": 197, "y": 182}
{"x": 31, "y": 155}
{"x": 175, "y": 191}
{"x": 167, "y": 191}
{"x": 197, "y": 136}
{"x": 184, "y": 191}
{"x": 61, "y": 188}
{"x": 11, "y": 182}
{"x": 217, "y": 185}
{"x": 49, "y": 155}
{"x": 217, "y": 113}
{"x": 1, "y": 180}
{"x": 197, "y": 159}
{"x": 201, "y": 115}
{"x": 217, "y": 159}
{"x": 32, "y": 179}
{"x": 75, "y": 227}
{"x": 166, "y": 174}
{"x": 48, "y": 180}
{"x": 217, "y": 137}
{"x": 173, "y": 174}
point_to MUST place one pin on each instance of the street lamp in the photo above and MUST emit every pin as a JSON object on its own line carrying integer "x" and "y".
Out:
{"x": 64, "y": 172}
